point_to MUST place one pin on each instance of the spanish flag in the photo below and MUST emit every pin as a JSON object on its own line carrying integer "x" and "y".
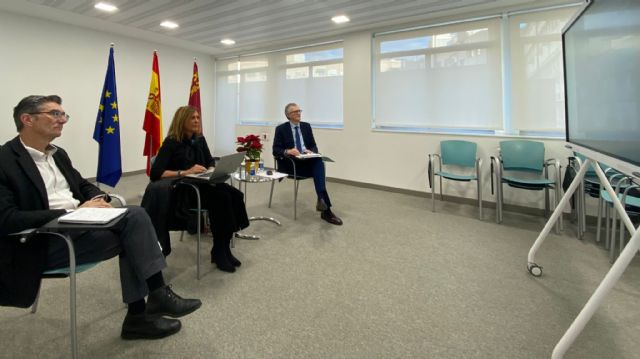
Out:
{"x": 194, "y": 92}
{"x": 153, "y": 116}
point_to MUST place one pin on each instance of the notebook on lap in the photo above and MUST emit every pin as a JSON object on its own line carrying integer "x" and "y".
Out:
{"x": 225, "y": 166}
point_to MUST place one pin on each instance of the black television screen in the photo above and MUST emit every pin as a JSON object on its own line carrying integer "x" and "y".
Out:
{"x": 602, "y": 79}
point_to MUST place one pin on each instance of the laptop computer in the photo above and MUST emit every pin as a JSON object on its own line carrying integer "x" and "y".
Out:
{"x": 225, "y": 166}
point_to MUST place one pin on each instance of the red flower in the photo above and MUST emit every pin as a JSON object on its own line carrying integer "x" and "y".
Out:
{"x": 251, "y": 145}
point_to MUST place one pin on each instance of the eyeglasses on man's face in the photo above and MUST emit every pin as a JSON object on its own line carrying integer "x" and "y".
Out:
{"x": 53, "y": 113}
{"x": 295, "y": 112}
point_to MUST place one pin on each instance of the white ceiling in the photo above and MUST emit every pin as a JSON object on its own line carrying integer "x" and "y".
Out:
{"x": 256, "y": 25}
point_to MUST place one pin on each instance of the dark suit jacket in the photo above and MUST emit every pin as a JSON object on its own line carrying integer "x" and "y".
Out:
{"x": 283, "y": 140}
{"x": 23, "y": 205}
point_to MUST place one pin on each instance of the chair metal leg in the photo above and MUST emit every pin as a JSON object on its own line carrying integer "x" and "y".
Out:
{"x": 479, "y": 196}
{"x": 199, "y": 237}
{"x": 623, "y": 232}
{"x": 581, "y": 211}
{"x": 271, "y": 193}
{"x": 72, "y": 308}
{"x": 34, "y": 307}
{"x": 599, "y": 225}
{"x": 72, "y": 296}
{"x": 295, "y": 199}
{"x": 441, "y": 197}
{"x": 433, "y": 194}
{"x": 607, "y": 226}
{"x": 612, "y": 240}
{"x": 499, "y": 189}
{"x": 556, "y": 200}
{"x": 546, "y": 203}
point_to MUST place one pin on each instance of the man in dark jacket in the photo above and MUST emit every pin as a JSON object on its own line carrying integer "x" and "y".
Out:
{"x": 292, "y": 139}
{"x": 38, "y": 184}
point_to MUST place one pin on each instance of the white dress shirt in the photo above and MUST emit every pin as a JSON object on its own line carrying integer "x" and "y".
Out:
{"x": 58, "y": 190}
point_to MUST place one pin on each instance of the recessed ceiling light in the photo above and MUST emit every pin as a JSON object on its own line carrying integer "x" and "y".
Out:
{"x": 227, "y": 42}
{"x": 169, "y": 24}
{"x": 105, "y": 7}
{"x": 340, "y": 19}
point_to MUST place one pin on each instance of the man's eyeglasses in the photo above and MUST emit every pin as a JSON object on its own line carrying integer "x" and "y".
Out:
{"x": 296, "y": 111}
{"x": 53, "y": 113}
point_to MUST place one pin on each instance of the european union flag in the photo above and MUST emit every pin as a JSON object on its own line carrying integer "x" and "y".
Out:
{"x": 107, "y": 131}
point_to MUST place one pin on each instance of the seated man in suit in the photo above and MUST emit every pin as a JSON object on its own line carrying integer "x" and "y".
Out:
{"x": 293, "y": 138}
{"x": 37, "y": 184}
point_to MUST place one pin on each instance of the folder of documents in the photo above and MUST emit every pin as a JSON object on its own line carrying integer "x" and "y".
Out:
{"x": 92, "y": 215}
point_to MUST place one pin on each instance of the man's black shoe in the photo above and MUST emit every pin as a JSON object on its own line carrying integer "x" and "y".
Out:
{"x": 331, "y": 218}
{"x": 321, "y": 205}
{"x": 141, "y": 326}
{"x": 163, "y": 301}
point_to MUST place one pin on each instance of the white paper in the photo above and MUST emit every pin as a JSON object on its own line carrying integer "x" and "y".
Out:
{"x": 308, "y": 155}
{"x": 92, "y": 215}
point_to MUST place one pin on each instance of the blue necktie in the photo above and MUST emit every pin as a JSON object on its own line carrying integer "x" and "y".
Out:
{"x": 298, "y": 141}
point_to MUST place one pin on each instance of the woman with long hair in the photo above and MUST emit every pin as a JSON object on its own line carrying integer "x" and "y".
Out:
{"x": 184, "y": 152}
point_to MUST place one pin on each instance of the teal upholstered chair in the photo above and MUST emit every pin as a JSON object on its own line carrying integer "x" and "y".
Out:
{"x": 70, "y": 272}
{"x": 589, "y": 186}
{"x": 460, "y": 164}
{"x": 521, "y": 164}
{"x": 623, "y": 187}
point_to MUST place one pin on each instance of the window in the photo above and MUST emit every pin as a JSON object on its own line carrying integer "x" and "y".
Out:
{"x": 536, "y": 70}
{"x": 254, "y": 89}
{"x": 422, "y": 76}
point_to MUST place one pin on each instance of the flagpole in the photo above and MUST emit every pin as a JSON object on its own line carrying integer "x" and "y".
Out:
{"x": 155, "y": 51}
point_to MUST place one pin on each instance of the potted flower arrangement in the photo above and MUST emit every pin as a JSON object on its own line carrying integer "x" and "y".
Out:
{"x": 252, "y": 147}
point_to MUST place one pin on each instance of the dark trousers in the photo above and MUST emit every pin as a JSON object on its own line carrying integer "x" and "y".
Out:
{"x": 227, "y": 211}
{"x": 313, "y": 167}
{"x": 133, "y": 239}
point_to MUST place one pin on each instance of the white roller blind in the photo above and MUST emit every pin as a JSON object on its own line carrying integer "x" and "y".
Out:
{"x": 263, "y": 84}
{"x": 227, "y": 79}
{"x": 440, "y": 77}
{"x": 536, "y": 70}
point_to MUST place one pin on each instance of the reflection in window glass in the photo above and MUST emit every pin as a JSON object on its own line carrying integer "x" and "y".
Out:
{"x": 402, "y": 63}
{"x": 327, "y": 70}
{"x": 459, "y": 58}
{"x": 304, "y": 57}
{"x": 415, "y": 43}
{"x": 258, "y": 76}
{"x": 297, "y": 73}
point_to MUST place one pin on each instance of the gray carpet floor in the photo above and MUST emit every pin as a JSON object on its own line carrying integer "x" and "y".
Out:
{"x": 395, "y": 281}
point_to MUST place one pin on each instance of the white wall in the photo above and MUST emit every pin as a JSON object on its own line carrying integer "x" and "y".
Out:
{"x": 390, "y": 159}
{"x": 42, "y": 57}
